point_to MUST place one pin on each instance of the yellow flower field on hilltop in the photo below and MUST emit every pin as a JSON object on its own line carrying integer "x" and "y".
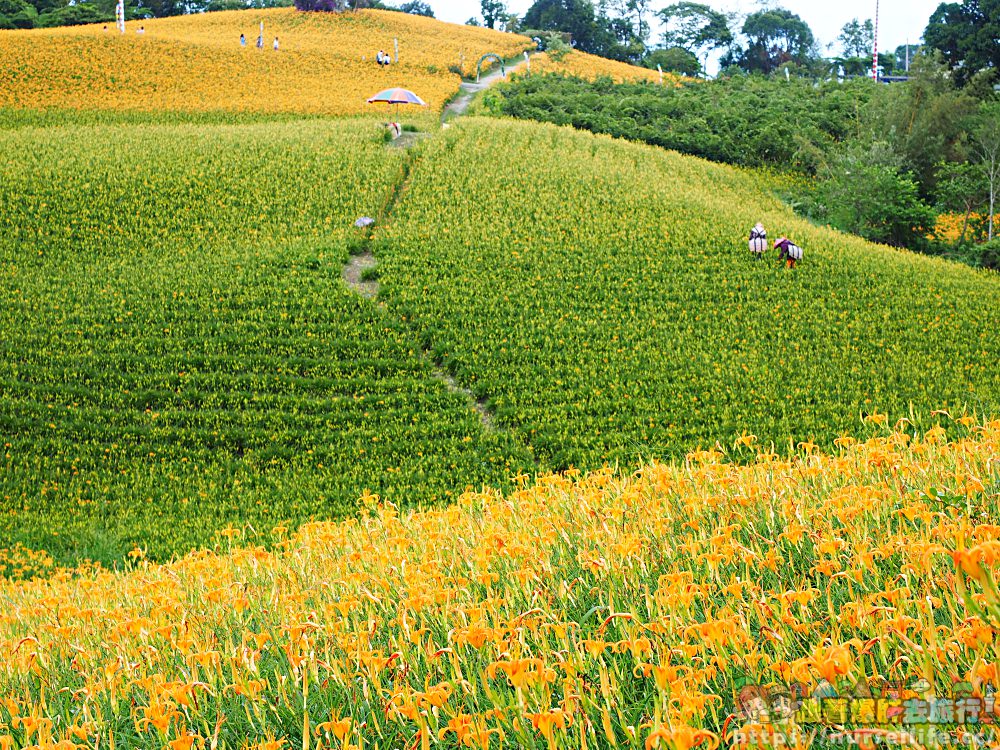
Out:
{"x": 325, "y": 64}
{"x": 680, "y": 606}
{"x": 592, "y": 67}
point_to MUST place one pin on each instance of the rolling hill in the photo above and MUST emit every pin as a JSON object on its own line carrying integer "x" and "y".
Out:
{"x": 325, "y": 65}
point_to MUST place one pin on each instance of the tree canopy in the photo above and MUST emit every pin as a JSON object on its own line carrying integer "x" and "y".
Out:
{"x": 674, "y": 60}
{"x": 494, "y": 11}
{"x": 775, "y": 37}
{"x": 695, "y": 27}
{"x": 613, "y": 37}
{"x": 966, "y": 35}
{"x": 857, "y": 39}
{"x": 417, "y": 8}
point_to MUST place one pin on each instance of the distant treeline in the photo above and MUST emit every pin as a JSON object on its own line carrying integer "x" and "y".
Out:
{"x": 27, "y": 14}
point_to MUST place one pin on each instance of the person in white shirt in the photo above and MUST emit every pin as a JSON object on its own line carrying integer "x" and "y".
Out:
{"x": 758, "y": 240}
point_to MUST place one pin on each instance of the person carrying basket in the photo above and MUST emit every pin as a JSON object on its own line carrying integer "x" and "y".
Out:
{"x": 788, "y": 251}
{"x": 758, "y": 240}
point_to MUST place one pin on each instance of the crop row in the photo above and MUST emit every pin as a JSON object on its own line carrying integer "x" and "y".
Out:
{"x": 601, "y": 296}
{"x": 180, "y": 354}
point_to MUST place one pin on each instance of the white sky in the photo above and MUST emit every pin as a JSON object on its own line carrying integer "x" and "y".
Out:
{"x": 899, "y": 20}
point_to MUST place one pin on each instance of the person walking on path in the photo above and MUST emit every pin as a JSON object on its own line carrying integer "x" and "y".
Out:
{"x": 758, "y": 240}
{"x": 788, "y": 251}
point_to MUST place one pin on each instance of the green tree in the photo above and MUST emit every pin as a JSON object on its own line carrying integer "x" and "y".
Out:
{"x": 925, "y": 119}
{"x": 960, "y": 189}
{"x": 575, "y": 17}
{"x": 417, "y": 8}
{"x": 695, "y": 27}
{"x": 632, "y": 14}
{"x": 857, "y": 39}
{"x": 967, "y": 35}
{"x": 775, "y": 37}
{"x": 578, "y": 18}
{"x": 986, "y": 148}
{"x": 74, "y": 15}
{"x": 17, "y": 14}
{"x": 866, "y": 191}
{"x": 493, "y": 11}
{"x": 215, "y": 5}
{"x": 627, "y": 44}
{"x": 905, "y": 54}
{"x": 674, "y": 60}
{"x": 511, "y": 23}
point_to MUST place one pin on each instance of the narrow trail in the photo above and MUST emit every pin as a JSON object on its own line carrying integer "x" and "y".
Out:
{"x": 407, "y": 139}
{"x": 467, "y": 91}
{"x": 358, "y": 272}
{"x": 355, "y": 274}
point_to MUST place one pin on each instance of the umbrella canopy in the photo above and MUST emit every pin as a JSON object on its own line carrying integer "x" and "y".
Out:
{"x": 364, "y": 221}
{"x": 397, "y": 96}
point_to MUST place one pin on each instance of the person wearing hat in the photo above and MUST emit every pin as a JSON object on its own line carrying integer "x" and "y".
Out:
{"x": 758, "y": 240}
{"x": 788, "y": 251}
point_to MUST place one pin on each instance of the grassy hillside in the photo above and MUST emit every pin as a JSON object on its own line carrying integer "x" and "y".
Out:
{"x": 179, "y": 353}
{"x": 597, "y": 611}
{"x": 325, "y": 65}
{"x": 602, "y": 296}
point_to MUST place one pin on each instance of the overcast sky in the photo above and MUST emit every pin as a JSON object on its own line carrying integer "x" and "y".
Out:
{"x": 899, "y": 20}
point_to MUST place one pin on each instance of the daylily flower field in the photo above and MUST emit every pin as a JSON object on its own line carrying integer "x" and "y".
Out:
{"x": 686, "y": 604}
{"x": 180, "y": 353}
{"x": 591, "y": 67}
{"x": 580, "y": 474}
{"x": 602, "y": 296}
{"x": 325, "y": 64}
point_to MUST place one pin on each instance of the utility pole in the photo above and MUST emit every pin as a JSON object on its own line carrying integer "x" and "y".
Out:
{"x": 875, "y": 47}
